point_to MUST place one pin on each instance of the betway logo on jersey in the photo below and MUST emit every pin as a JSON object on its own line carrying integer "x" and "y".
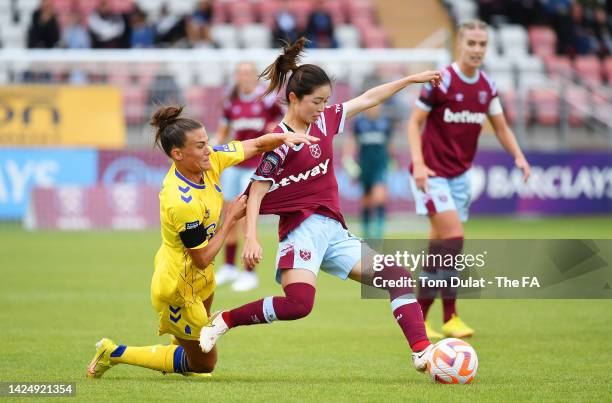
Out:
{"x": 463, "y": 117}
{"x": 320, "y": 169}
{"x": 248, "y": 124}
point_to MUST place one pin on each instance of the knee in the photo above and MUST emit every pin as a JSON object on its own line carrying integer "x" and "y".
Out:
{"x": 303, "y": 308}
{"x": 205, "y": 364}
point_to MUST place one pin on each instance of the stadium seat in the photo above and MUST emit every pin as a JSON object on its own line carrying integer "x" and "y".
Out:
{"x": 255, "y": 36}
{"x": 608, "y": 69}
{"x": 509, "y": 101}
{"x": 578, "y": 103}
{"x": 589, "y": 70}
{"x": 543, "y": 40}
{"x": 241, "y": 13}
{"x": 504, "y": 81}
{"x": 183, "y": 7}
{"x": 558, "y": 66}
{"x": 493, "y": 45}
{"x": 531, "y": 71}
{"x": 545, "y": 105}
{"x": 336, "y": 11}
{"x": 213, "y": 111}
{"x": 13, "y": 36}
{"x": 375, "y": 37}
{"x": 360, "y": 10}
{"x": 301, "y": 9}
{"x": 513, "y": 40}
{"x": 602, "y": 106}
{"x": 347, "y": 36}
{"x": 267, "y": 11}
{"x": 134, "y": 104}
{"x": 225, "y": 35}
{"x": 464, "y": 10}
{"x": 210, "y": 74}
{"x": 195, "y": 97}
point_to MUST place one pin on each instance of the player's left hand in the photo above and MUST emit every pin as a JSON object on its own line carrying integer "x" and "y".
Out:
{"x": 524, "y": 166}
{"x": 295, "y": 139}
{"x": 251, "y": 252}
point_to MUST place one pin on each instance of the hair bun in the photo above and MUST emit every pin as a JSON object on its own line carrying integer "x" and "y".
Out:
{"x": 165, "y": 116}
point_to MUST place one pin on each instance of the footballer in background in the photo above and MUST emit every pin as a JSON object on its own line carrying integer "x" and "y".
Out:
{"x": 246, "y": 115}
{"x": 452, "y": 115}
{"x": 372, "y": 133}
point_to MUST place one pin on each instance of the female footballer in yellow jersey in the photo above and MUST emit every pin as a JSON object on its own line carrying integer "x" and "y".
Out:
{"x": 183, "y": 283}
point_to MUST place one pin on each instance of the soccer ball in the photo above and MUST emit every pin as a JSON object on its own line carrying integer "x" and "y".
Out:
{"x": 452, "y": 361}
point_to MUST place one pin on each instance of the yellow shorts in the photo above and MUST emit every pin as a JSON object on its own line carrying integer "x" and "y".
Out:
{"x": 184, "y": 322}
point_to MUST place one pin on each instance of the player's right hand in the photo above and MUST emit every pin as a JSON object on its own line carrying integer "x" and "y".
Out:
{"x": 421, "y": 172}
{"x": 236, "y": 209}
{"x": 251, "y": 252}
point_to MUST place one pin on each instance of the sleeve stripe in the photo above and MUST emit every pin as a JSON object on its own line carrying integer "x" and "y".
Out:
{"x": 495, "y": 107}
{"x": 422, "y": 105}
{"x": 342, "y": 120}
{"x": 261, "y": 178}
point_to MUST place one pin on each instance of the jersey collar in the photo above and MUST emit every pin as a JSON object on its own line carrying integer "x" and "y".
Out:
{"x": 463, "y": 77}
{"x": 187, "y": 181}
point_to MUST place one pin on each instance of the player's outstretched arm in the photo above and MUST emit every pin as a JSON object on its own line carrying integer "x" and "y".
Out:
{"x": 381, "y": 93}
{"x": 420, "y": 171}
{"x": 506, "y": 138}
{"x": 235, "y": 210}
{"x": 251, "y": 251}
{"x": 271, "y": 141}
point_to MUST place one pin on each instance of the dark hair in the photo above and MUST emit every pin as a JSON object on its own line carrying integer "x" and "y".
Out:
{"x": 171, "y": 127}
{"x": 303, "y": 80}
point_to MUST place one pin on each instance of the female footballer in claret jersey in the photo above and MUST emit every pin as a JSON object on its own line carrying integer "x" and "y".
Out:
{"x": 452, "y": 115}
{"x": 246, "y": 115}
{"x": 299, "y": 185}
{"x": 183, "y": 283}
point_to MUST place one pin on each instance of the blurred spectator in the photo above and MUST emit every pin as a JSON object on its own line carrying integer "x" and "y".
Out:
{"x": 74, "y": 35}
{"x": 285, "y": 25}
{"x": 320, "y": 28}
{"x": 602, "y": 29}
{"x": 142, "y": 34}
{"x": 164, "y": 90}
{"x": 44, "y": 30}
{"x": 169, "y": 28}
{"x": 198, "y": 27}
{"x": 107, "y": 28}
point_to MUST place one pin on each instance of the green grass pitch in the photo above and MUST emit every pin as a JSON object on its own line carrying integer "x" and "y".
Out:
{"x": 61, "y": 292}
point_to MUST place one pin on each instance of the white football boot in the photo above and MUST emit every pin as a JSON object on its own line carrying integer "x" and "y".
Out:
{"x": 212, "y": 332}
{"x": 421, "y": 358}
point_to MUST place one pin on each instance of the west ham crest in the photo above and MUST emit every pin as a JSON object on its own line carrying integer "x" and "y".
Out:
{"x": 482, "y": 97}
{"x": 315, "y": 150}
{"x": 305, "y": 254}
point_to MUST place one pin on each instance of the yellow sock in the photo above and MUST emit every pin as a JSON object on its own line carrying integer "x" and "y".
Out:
{"x": 170, "y": 358}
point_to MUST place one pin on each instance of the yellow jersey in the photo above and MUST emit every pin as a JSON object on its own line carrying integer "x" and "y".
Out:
{"x": 189, "y": 214}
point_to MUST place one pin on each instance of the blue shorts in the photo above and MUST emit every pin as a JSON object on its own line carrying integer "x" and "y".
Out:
{"x": 319, "y": 243}
{"x": 234, "y": 181}
{"x": 444, "y": 194}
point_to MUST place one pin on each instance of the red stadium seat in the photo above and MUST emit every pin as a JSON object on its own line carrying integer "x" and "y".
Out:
{"x": 509, "y": 102}
{"x": 301, "y": 9}
{"x": 63, "y": 6}
{"x": 221, "y": 12}
{"x": 196, "y": 102}
{"x": 134, "y": 104}
{"x": 545, "y": 103}
{"x": 213, "y": 111}
{"x": 602, "y": 106}
{"x": 241, "y": 13}
{"x": 608, "y": 69}
{"x": 543, "y": 41}
{"x": 359, "y": 9}
{"x": 579, "y": 105}
{"x": 558, "y": 66}
{"x": 267, "y": 12}
{"x": 337, "y": 12}
{"x": 589, "y": 70}
{"x": 375, "y": 37}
